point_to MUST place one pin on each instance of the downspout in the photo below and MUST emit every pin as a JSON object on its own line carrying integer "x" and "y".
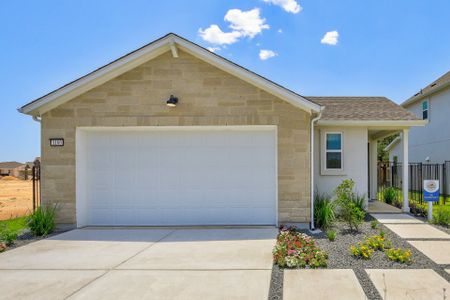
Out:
{"x": 314, "y": 120}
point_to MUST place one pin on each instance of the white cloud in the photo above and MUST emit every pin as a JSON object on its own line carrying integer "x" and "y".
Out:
{"x": 280, "y": 30}
{"x": 213, "y": 49}
{"x": 247, "y": 23}
{"x": 330, "y": 38}
{"x": 291, "y": 6}
{"x": 266, "y": 54}
{"x": 214, "y": 35}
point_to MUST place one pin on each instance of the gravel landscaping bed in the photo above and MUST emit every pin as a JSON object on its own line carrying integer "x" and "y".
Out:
{"x": 339, "y": 256}
{"x": 27, "y": 237}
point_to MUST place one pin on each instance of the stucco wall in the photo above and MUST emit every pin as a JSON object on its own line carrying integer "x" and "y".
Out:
{"x": 432, "y": 140}
{"x": 208, "y": 96}
{"x": 355, "y": 159}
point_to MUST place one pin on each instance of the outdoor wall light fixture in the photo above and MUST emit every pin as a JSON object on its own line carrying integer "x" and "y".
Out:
{"x": 172, "y": 102}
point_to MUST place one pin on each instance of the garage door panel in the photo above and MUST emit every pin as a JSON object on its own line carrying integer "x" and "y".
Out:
{"x": 181, "y": 177}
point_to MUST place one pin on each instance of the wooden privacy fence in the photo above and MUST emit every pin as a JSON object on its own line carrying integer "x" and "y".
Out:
{"x": 390, "y": 175}
{"x": 36, "y": 179}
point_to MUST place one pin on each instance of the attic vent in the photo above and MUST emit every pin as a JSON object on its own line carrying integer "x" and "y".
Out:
{"x": 433, "y": 84}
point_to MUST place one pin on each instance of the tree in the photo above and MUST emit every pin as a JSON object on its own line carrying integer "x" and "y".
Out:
{"x": 383, "y": 155}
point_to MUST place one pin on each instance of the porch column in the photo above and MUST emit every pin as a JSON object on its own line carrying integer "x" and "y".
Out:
{"x": 373, "y": 168}
{"x": 405, "y": 168}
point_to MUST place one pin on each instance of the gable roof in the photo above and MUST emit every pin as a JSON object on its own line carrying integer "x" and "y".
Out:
{"x": 435, "y": 86}
{"x": 376, "y": 110}
{"x": 164, "y": 44}
{"x": 10, "y": 164}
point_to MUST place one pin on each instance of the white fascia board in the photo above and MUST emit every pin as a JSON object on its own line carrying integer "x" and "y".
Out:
{"x": 248, "y": 76}
{"x": 373, "y": 123}
{"x": 424, "y": 95}
{"x": 96, "y": 78}
{"x": 392, "y": 144}
{"x": 140, "y": 56}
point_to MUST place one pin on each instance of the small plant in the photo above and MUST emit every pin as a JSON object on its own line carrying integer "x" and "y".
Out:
{"x": 382, "y": 233}
{"x": 331, "y": 235}
{"x": 399, "y": 255}
{"x": 361, "y": 251}
{"x": 389, "y": 195}
{"x": 374, "y": 224}
{"x": 378, "y": 242}
{"x": 323, "y": 211}
{"x": 297, "y": 250}
{"x": 418, "y": 209}
{"x": 42, "y": 221}
{"x": 8, "y": 236}
{"x": 441, "y": 216}
{"x": 350, "y": 204}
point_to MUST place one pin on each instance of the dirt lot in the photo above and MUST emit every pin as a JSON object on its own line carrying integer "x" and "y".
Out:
{"x": 15, "y": 198}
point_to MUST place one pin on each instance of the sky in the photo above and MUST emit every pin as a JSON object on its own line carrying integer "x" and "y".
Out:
{"x": 314, "y": 47}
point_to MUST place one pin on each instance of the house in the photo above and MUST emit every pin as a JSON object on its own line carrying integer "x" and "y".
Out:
{"x": 431, "y": 143}
{"x": 173, "y": 134}
{"x": 11, "y": 168}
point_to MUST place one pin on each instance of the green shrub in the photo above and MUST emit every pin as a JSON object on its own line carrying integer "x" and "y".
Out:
{"x": 297, "y": 250}
{"x": 349, "y": 204}
{"x": 324, "y": 215}
{"x": 418, "y": 209}
{"x": 42, "y": 221}
{"x": 378, "y": 242}
{"x": 359, "y": 200}
{"x": 441, "y": 216}
{"x": 389, "y": 195}
{"x": 361, "y": 251}
{"x": 8, "y": 236}
{"x": 331, "y": 234}
{"x": 374, "y": 224}
{"x": 399, "y": 255}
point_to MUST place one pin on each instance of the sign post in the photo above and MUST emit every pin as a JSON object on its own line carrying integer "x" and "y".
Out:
{"x": 430, "y": 195}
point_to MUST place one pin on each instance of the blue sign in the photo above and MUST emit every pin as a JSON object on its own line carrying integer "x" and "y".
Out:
{"x": 431, "y": 190}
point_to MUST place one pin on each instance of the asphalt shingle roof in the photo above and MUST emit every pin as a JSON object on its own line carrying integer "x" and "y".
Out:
{"x": 10, "y": 164}
{"x": 432, "y": 87}
{"x": 362, "y": 109}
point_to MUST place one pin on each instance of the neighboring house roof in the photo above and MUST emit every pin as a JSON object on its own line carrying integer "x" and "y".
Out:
{"x": 393, "y": 144}
{"x": 10, "y": 164}
{"x": 437, "y": 85}
{"x": 169, "y": 42}
{"x": 363, "y": 110}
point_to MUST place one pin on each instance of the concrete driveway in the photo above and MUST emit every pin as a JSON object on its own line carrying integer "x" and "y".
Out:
{"x": 215, "y": 263}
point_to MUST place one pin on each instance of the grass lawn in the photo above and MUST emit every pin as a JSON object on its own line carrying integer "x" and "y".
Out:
{"x": 17, "y": 225}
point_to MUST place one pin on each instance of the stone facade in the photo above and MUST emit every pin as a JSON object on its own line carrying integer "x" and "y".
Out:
{"x": 208, "y": 96}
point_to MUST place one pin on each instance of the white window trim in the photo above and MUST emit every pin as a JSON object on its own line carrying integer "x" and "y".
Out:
{"x": 323, "y": 160}
{"x": 427, "y": 110}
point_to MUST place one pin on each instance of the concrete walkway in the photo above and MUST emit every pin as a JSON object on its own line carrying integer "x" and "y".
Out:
{"x": 432, "y": 242}
{"x": 225, "y": 263}
{"x": 381, "y": 207}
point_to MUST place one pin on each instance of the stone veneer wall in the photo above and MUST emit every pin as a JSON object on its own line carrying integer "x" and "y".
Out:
{"x": 208, "y": 96}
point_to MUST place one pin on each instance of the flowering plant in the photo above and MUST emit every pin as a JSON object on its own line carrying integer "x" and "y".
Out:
{"x": 297, "y": 250}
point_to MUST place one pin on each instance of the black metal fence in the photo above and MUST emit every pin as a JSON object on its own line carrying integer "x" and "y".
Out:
{"x": 390, "y": 175}
{"x": 36, "y": 179}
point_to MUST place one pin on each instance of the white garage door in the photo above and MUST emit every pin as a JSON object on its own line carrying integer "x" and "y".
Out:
{"x": 177, "y": 176}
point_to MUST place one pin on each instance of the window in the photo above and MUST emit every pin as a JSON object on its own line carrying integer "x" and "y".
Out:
{"x": 425, "y": 110}
{"x": 333, "y": 151}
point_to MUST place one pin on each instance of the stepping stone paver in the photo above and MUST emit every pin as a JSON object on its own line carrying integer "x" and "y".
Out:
{"x": 437, "y": 251}
{"x": 396, "y": 219}
{"x": 321, "y": 284}
{"x": 409, "y": 284}
{"x": 417, "y": 231}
